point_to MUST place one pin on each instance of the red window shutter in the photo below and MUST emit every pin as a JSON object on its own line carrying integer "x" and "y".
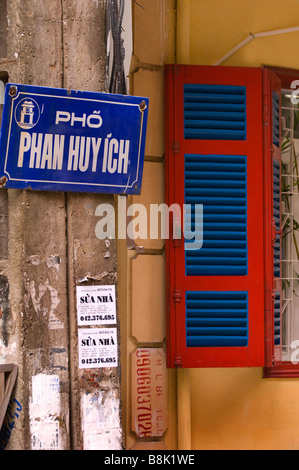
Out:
{"x": 214, "y": 157}
{"x": 272, "y": 219}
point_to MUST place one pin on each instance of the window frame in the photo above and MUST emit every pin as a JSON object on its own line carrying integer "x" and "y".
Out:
{"x": 283, "y": 369}
{"x": 274, "y": 79}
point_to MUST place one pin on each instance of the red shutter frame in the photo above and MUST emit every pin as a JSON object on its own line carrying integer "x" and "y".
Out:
{"x": 178, "y": 354}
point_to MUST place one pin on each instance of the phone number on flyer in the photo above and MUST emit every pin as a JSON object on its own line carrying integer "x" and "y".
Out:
{"x": 99, "y": 360}
{"x": 93, "y": 318}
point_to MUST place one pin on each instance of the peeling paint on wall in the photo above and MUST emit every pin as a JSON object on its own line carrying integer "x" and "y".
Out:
{"x": 7, "y": 353}
{"x": 54, "y": 262}
{"x": 44, "y": 412}
{"x": 101, "y": 421}
{"x": 4, "y": 309}
{"x": 37, "y": 295}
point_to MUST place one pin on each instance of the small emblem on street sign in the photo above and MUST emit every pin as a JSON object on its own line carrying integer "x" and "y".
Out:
{"x": 67, "y": 140}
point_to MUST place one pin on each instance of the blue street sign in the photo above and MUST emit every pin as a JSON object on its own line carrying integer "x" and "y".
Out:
{"x": 66, "y": 140}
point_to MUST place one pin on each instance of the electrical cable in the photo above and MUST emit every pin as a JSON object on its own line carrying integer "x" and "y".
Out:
{"x": 115, "y": 75}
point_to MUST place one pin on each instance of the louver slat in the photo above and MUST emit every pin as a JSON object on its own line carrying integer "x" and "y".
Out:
{"x": 276, "y": 215}
{"x": 215, "y": 112}
{"x": 224, "y": 215}
{"x": 216, "y": 319}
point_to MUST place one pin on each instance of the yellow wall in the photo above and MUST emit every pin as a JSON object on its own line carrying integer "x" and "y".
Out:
{"x": 216, "y": 26}
{"x": 230, "y": 408}
{"x": 237, "y": 408}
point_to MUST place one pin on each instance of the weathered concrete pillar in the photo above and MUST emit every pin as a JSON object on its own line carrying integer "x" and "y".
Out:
{"x": 48, "y": 246}
{"x": 35, "y": 333}
{"x": 44, "y": 313}
{"x": 95, "y": 392}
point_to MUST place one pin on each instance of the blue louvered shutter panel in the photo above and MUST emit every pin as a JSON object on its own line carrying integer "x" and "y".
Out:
{"x": 216, "y": 319}
{"x": 214, "y": 159}
{"x": 215, "y": 112}
{"x": 218, "y": 182}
